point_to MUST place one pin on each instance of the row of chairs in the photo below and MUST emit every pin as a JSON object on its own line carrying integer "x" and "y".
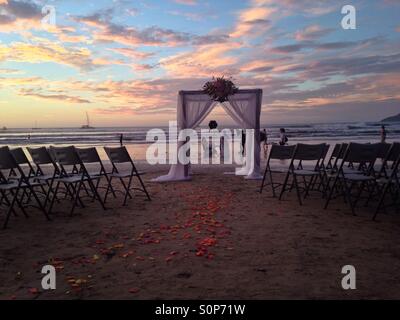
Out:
{"x": 59, "y": 173}
{"x": 352, "y": 171}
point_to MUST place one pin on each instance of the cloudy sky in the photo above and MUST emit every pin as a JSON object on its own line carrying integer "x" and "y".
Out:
{"x": 124, "y": 61}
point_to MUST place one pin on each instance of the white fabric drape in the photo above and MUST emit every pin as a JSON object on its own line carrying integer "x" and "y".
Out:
{"x": 245, "y": 110}
{"x": 244, "y": 107}
{"x": 192, "y": 110}
{"x": 241, "y": 108}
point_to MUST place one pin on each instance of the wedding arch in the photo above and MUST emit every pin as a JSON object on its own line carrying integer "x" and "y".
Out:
{"x": 244, "y": 107}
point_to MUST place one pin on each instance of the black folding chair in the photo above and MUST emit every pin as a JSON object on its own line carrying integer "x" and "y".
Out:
{"x": 24, "y": 163}
{"x": 74, "y": 180}
{"x": 363, "y": 157}
{"x": 46, "y": 169}
{"x": 120, "y": 156}
{"x": 389, "y": 161}
{"x": 310, "y": 154}
{"x": 280, "y": 153}
{"x": 10, "y": 188}
{"x": 91, "y": 157}
{"x": 388, "y": 181}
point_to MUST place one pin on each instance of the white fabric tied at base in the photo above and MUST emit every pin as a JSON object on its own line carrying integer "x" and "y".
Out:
{"x": 244, "y": 107}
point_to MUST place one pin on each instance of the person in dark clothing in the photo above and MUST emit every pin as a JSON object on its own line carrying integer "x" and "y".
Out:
{"x": 283, "y": 139}
{"x": 121, "y": 139}
{"x": 383, "y": 134}
{"x": 243, "y": 142}
{"x": 264, "y": 140}
{"x": 213, "y": 124}
{"x": 212, "y": 146}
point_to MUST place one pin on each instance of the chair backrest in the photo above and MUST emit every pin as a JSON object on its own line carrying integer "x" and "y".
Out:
{"x": 19, "y": 156}
{"x": 7, "y": 161}
{"x": 40, "y": 155}
{"x": 88, "y": 155}
{"x": 325, "y": 153}
{"x": 362, "y": 153}
{"x": 394, "y": 152}
{"x": 384, "y": 150}
{"x": 309, "y": 152}
{"x": 396, "y": 166}
{"x": 336, "y": 150}
{"x": 343, "y": 150}
{"x": 279, "y": 152}
{"x": 66, "y": 156}
{"x": 118, "y": 155}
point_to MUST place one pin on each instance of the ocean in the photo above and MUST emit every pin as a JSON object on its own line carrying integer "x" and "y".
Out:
{"x": 135, "y": 138}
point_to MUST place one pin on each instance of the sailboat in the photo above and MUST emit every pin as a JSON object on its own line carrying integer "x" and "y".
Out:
{"x": 35, "y": 126}
{"x": 87, "y": 125}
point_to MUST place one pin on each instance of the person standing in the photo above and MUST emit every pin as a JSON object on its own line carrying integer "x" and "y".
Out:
{"x": 121, "y": 139}
{"x": 243, "y": 142}
{"x": 214, "y": 133}
{"x": 264, "y": 141}
{"x": 283, "y": 139}
{"x": 383, "y": 134}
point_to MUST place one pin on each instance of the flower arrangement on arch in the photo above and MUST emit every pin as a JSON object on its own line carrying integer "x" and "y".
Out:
{"x": 220, "y": 88}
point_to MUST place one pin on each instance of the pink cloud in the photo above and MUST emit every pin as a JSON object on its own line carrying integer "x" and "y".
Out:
{"x": 187, "y": 2}
{"x": 312, "y": 32}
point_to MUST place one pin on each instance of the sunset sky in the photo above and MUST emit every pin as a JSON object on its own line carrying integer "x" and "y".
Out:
{"x": 124, "y": 61}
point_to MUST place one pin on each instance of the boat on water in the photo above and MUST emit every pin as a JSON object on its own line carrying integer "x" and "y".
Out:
{"x": 87, "y": 126}
{"x": 4, "y": 128}
{"x": 36, "y": 126}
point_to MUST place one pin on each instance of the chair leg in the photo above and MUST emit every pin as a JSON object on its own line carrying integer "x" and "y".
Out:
{"x": 371, "y": 193}
{"x": 43, "y": 209}
{"x": 359, "y": 193}
{"x": 21, "y": 206}
{"x": 272, "y": 184}
{"x": 95, "y": 192}
{"x": 284, "y": 185}
{"x": 54, "y": 197}
{"x": 10, "y": 209}
{"x": 381, "y": 200}
{"x": 332, "y": 190}
{"x": 125, "y": 187}
{"x": 76, "y": 197}
{"x": 347, "y": 193}
{"x": 296, "y": 184}
{"x": 73, "y": 193}
{"x": 109, "y": 185}
{"x": 308, "y": 186}
{"x": 108, "y": 189}
{"x": 49, "y": 191}
{"x": 127, "y": 190}
{"x": 97, "y": 188}
{"x": 263, "y": 180}
{"x": 4, "y": 198}
{"x": 144, "y": 187}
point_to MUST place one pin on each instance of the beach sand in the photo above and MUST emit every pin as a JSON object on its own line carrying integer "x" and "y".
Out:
{"x": 215, "y": 237}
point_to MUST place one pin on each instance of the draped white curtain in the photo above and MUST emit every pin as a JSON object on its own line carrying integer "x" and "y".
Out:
{"x": 192, "y": 110}
{"x": 244, "y": 108}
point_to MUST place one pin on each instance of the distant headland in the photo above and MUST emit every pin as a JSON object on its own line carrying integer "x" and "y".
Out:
{"x": 395, "y": 118}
